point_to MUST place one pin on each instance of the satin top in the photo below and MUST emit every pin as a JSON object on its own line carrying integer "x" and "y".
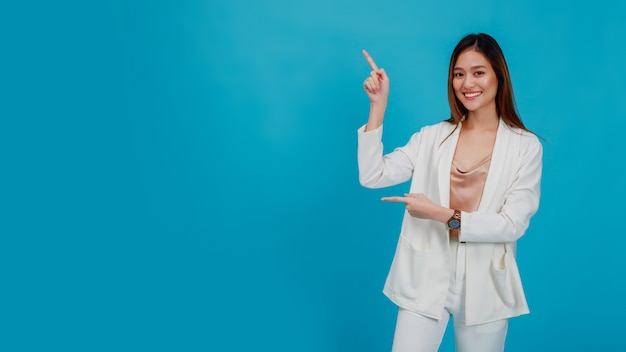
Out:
{"x": 466, "y": 186}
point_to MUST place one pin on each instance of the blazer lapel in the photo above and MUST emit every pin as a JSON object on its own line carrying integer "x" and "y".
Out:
{"x": 445, "y": 163}
{"x": 496, "y": 168}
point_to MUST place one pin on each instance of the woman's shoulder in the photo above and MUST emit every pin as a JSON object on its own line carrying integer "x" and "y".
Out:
{"x": 438, "y": 128}
{"x": 526, "y": 134}
{"x": 432, "y": 134}
{"x": 527, "y": 139}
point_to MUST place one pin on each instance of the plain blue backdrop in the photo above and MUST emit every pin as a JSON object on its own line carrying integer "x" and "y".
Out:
{"x": 181, "y": 176}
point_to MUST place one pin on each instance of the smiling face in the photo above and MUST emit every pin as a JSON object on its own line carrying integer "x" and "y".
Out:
{"x": 475, "y": 82}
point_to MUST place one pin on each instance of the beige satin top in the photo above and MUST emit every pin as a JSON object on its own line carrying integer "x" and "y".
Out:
{"x": 466, "y": 187}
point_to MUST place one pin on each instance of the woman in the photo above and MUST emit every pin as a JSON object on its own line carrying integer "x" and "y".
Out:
{"x": 475, "y": 184}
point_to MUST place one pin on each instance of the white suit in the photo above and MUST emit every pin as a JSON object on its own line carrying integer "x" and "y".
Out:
{"x": 419, "y": 276}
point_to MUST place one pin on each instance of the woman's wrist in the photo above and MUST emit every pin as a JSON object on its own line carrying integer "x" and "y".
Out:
{"x": 376, "y": 116}
{"x": 444, "y": 214}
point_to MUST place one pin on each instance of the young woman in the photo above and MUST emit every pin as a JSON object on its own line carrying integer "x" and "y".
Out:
{"x": 475, "y": 184}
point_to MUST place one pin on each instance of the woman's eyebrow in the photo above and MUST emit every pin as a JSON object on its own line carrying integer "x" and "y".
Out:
{"x": 472, "y": 68}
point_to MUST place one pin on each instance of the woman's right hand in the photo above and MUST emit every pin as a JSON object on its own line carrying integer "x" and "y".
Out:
{"x": 377, "y": 84}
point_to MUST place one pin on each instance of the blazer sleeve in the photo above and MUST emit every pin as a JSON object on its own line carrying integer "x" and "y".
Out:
{"x": 520, "y": 204}
{"x": 377, "y": 170}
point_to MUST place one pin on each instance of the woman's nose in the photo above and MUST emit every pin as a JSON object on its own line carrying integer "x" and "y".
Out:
{"x": 468, "y": 82}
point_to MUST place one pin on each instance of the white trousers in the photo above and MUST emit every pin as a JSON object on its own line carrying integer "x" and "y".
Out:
{"x": 417, "y": 333}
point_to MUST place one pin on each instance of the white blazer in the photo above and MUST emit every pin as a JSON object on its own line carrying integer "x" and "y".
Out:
{"x": 420, "y": 272}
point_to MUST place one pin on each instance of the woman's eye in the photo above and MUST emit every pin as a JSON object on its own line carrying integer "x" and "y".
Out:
{"x": 479, "y": 73}
{"x": 458, "y": 74}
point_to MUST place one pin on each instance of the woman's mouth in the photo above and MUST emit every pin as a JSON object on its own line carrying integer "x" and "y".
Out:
{"x": 472, "y": 94}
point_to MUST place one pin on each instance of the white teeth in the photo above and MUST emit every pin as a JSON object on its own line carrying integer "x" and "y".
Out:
{"x": 472, "y": 95}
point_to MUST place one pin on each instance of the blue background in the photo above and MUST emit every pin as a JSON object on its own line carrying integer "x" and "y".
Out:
{"x": 181, "y": 176}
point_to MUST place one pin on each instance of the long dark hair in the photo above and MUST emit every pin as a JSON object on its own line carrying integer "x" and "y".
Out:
{"x": 505, "y": 102}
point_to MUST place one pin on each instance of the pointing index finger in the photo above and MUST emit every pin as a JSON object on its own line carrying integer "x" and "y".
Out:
{"x": 394, "y": 199}
{"x": 370, "y": 60}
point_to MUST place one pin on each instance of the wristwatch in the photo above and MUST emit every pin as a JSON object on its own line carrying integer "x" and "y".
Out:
{"x": 455, "y": 221}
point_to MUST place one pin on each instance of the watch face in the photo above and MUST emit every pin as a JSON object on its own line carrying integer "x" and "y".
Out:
{"x": 454, "y": 224}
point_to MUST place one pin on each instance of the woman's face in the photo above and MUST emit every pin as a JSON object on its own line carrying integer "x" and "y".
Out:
{"x": 474, "y": 81}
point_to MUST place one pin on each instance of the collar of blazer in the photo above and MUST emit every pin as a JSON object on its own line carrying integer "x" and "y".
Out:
{"x": 495, "y": 169}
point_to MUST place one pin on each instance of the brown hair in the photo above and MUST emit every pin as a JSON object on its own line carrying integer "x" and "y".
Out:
{"x": 505, "y": 103}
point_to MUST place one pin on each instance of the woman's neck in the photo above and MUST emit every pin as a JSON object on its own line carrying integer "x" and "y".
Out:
{"x": 481, "y": 120}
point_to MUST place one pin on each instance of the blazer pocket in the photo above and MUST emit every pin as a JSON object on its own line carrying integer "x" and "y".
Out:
{"x": 406, "y": 276}
{"x": 500, "y": 273}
